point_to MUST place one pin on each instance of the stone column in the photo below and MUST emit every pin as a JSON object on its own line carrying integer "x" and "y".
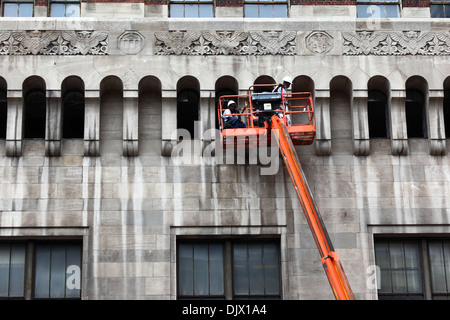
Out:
{"x": 53, "y": 124}
{"x": 207, "y": 119}
{"x": 91, "y": 123}
{"x": 130, "y": 123}
{"x": 169, "y": 121}
{"x": 14, "y": 126}
{"x": 435, "y": 122}
{"x": 360, "y": 124}
{"x": 397, "y": 121}
{"x": 323, "y": 125}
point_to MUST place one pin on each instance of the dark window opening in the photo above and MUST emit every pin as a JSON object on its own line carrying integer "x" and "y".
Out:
{"x": 228, "y": 269}
{"x": 34, "y": 114}
{"x": 73, "y": 115}
{"x": 415, "y": 114}
{"x": 378, "y": 115}
{"x": 188, "y": 110}
{"x": 3, "y": 114}
{"x": 447, "y": 113}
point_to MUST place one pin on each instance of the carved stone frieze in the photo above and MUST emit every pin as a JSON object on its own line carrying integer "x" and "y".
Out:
{"x": 53, "y": 43}
{"x": 319, "y": 42}
{"x": 396, "y": 43}
{"x": 225, "y": 43}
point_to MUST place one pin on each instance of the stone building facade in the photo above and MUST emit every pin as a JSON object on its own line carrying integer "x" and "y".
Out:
{"x": 95, "y": 205}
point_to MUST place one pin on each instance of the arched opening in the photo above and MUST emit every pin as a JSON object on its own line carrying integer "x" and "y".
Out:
{"x": 341, "y": 96}
{"x": 415, "y": 108}
{"x": 264, "y": 80}
{"x": 301, "y": 84}
{"x": 72, "y": 92}
{"x": 378, "y": 107}
{"x": 225, "y": 86}
{"x": 35, "y": 105}
{"x": 111, "y": 115}
{"x": 188, "y": 103}
{"x": 3, "y": 108}
{"x": 150, "y": 114}
{"x": 447, "y": 107}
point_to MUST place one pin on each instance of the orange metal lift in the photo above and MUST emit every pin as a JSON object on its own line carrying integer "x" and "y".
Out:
{"x": 272, "y": 109}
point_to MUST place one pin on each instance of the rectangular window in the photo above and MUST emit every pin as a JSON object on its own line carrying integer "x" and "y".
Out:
{"x": 440, "y": 9}
{"x": 65, "y": 8}
{"x": 265, "y": 9}
{"x": 378, "y": 8}
{"x": 191, "y": 9}
{"x": 55, "y": 270}
{"x": 228, "y": 269}
{"x": 405, "y": 266}
{"x": 22, "y": 8}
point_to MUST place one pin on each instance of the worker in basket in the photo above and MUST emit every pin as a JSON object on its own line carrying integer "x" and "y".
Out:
{"x": 229, "y": 120}
{"x": 282, "y": 88}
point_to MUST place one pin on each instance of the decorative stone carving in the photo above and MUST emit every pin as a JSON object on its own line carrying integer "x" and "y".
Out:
{"x": 273, "y": 42}
{"x": 319, "y": 42}
{"x": 131, "y": 42}
{"x": 53, "y": 43}
{"x": 178, "y": 43}
{"x": 225, "y": 43}
{"x": 396, "y": 43}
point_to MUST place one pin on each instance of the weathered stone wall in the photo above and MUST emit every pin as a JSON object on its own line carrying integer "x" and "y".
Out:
{"x": 128, "y": 201}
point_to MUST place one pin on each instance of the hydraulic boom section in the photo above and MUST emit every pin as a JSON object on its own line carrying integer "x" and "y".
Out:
{"x": 329, "y": 258}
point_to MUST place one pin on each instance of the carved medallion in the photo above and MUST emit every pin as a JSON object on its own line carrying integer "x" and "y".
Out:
{"x": 131, "y": 42}
{"x": 319, "y": 42}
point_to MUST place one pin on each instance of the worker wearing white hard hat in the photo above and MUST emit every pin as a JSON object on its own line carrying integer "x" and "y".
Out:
{"x": 282, "y": 88}
{"x": 230, "y": 120}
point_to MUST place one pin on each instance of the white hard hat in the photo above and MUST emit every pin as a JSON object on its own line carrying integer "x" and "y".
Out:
{"x": 287, "y": 79}
{"x": 230, "y": 103}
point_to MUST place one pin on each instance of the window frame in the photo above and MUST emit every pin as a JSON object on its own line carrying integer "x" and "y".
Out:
{"x": 18, "y": 2}
{"x": 29, "y": 279}
{"x": 228, "y": 267}
{"x": 445, "y": 4}
{"x": 378, "y": 3}
{"x": 260, "y": 3}
{"x": 185, "y": 3}
{"x": 65, "y": 3}
{"x": 423, "y": 246}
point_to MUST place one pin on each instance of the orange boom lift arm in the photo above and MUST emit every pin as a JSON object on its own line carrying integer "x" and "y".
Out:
{"x": 265, "y": 110}
{"x": 329, "y": 258}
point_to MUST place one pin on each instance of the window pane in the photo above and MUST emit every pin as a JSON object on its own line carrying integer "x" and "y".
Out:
{"x": 447, "y": 11}
{"x": 4, "y": 269}
{"x": 362, "y": 11}
{"x": 191, "y": 10}
{"x": 437, "y": 264}
{"x": 58, "y": 271}
{"x": 17, "y": 273}
{"x": 25, "y": 10}
{"x": 57, "y": 9}
{"x": 255, "y": 262}
{"x": 412, "y": 264}
{"x": 10, "y": 10}
{"x": 206, "y": 11}
{"x": 266, "y": 11}
{"x": 185, "y": 269}
{"x": 216, "y": 275}
{"x": 251, "y": 11}
{"x": 73, "y": 271}
{"x": 42, "y": 276}
{"x": 437, "y": 11}
{"x": 201, "y": 272}
{"x": 382, "y": 260}
{"x": 280, "y": 11}
{"x": 271, "y": 269}
{"x": 73, "y": 10}
{"x": 398, "y": 268}
{"x": 392, "y": 11}
{"x": 176, "y": 10}
{"x": 240, "y": 269}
